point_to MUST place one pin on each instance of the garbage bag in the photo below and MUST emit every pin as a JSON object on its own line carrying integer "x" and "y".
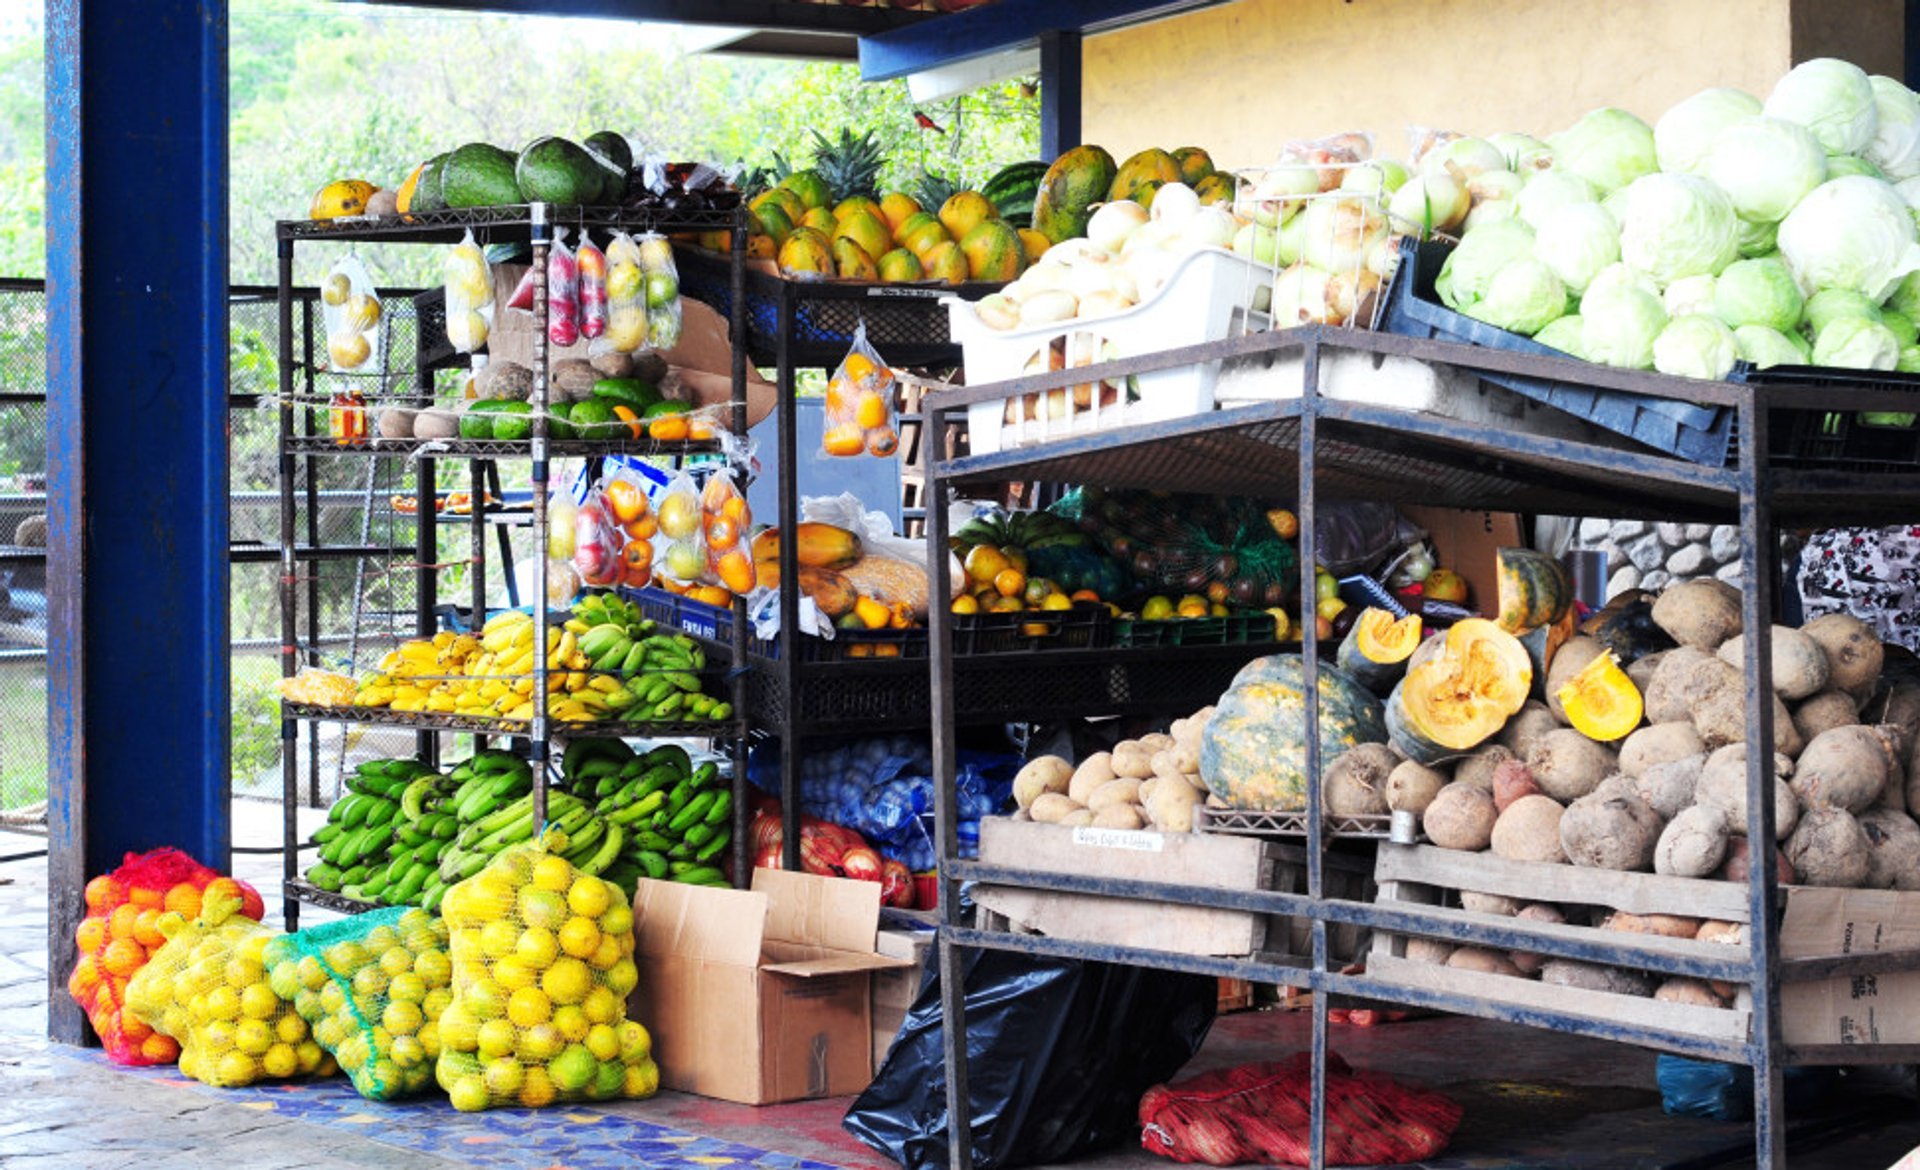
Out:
{"x": 1724, "y": 1092}
{"x": 1059, "y": 1052}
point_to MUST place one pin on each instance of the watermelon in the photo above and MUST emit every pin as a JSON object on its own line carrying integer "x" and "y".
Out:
{"x": 1013, "y": 188}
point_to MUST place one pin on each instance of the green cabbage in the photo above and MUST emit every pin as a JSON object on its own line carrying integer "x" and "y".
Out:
{"x": 1759, "y": 239}
{"x": 1895, "y": 148}
{"x": 1523, "y": 296}
{"x": 1909, "y": 362}
{"x": 1547, "y": 192}
{"x": 1766, "y": 165}
{"x": 1758, "y": 292}
{"x": 1685, "y": 134}
{"x": 1856, "y": 343}
{"x": 1695, "y": 346}
{"x": 1905, "y": 298}
{"x": 1764, "y": 347}
{"x": 1830, "y": 97}
{"x": 1577, "y": 240}
{"x": 1852, "y": 232}
{"x": 1689, "y": 294}
{"x": 1841, "y": 165}
{"x": 1609, "y": 148}
{"x": 1831, "y": 304}
{"x": 1566, "y": 335}
{"x": 1678, "y": 225}
{"x": 1901, "y": 325}
{"x": 1621, "y": 321}
{"x": 1482, "y": 252}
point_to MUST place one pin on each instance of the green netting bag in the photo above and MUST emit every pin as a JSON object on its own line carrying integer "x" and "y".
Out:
{"x": 372, "y": 987}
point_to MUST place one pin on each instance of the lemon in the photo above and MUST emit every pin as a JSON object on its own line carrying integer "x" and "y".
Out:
{"x": 335, "y": 289}
{"x": 290, "y": 1029}
{"x": 403, "y": 1017}
{"x": 469, "y": 1094}
{"x": 537, "y": 946}
{"x": 280, "y": 1061}
{"x": 384, "y": 1075}
{"x": 542, "y": 907}
{"x": 504, "y": 1076}
{"x": 457, "y": 1029}
{"x": 553, "y": 873}
{"x": 618, "y": 919}
{"x": 529, "y": 1006}
{"x": 641, "y": 1080}
{"x": 635, "y": 1044}
{"x": 568, "y": 981}
{"x": 349, "y": 350}
{"x": 330, "y": 1031}
{"x": 483, "y": 1000}
{"x": 608, "y": 1079}
{"x": 623, "y": 281}
{"x": 309, "y": 1055}
{"x": 333, "y": 999}
{"x": 434, "y": 967}
{"x": 626, "y": 329}
{"x": 606, "y": 954}
{"x": 579, "y": 937}
{"x": 252, "y": 1037}
{"x": 603, "y": 1042}
{"x": 572, "y": 1069}
{"x": 513, "y": 973}
{"x": 370, "y": 981}
{"x": 241, "y": 973}
{"x": 285, "y": 982}
{"x": 408, "y": 986}
{"x": 379, "y": 940}
{"x": 601, "y": 1005}
{"x": 622, "y": 977}
{"x": 496, "y": 1038}
{"x": 588, "y": 896}
{"x": 396, "y": 960}
{"x": 408, "y": 1052}
{"x": 539, "y": 1044}
{"x": 497, "y": 938}
{"x": 235, "y": 1068}
{"x": 429, "y": 1039}
{"x": 222, "y": 1003}
{"x": 537, "y": 1090}
{"x": 352, "y": 1052}
{"x": 362, "y": 314}
{"x": 436, "y": 1002}
{"x": 571, "y": 1022}
{"x": 258, "y": 1002}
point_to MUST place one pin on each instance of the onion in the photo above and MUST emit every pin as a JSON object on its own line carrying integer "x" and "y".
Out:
{"x": 1150, "y": 237}
{"x": 1092, "y": 278}
{"x": 1380, "y": 178}
{"x": 1102, "y": 304}
{"x": 1349, "y": 294}
{"x": 1043, "y": 278}
{"x": 1490, "y": 185}
{"x": 1278, "y": 191}
{"x": 1431, "y": 203}
{"x": 1339, "y": 232}
{"x": 998, "y": 311}
{"x": 1150, "y": 268}
{"x": 1078, "y": 250}
{"x": 1258, "y": 244}
{"x": 1289, "y": 240}
{"x": 1384, "y": 257}
{"x": 1174, "y": 203}
{"x": 1046, "y": 308}
{"x": 1210, "y": 227}
{"x": 1300, "y": 297}
{"x": 1463, "y": 157}
{"x": 1111, "y": 224}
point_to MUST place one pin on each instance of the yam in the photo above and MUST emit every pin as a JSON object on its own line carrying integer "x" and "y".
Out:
{"x": 1799, "y": 664}
{"x": 1692, "y": 992}
{"x": 1170, "y": 806}
{"x": 1666, "y": 693}
{"x": 572, "y": 380}
{"x": 1714, "y": 930}
{"x": 504, "y": 381}
{"x": 1477, "y": 769}
{"x": 1721, "y": 716}
{"x": 1512, "y": 782}
{"x": 1052, "y": 808}
{"x": 1893, "y": 862}
{"x": 613, "y": 364}
{"x": 1039, "y": 777}
{"x": 1356, "y": 784}
{"x": 436, "y": 423}
{"x": 1569, "y": 660}
{"x": 1693, "y": 844}
{"x": 1843, "y": 768}
{"x": 1412, "y": 786}
{"x": 1658, "y": 744}
{"x": 1484, "y": 961}
{"x": 1529, "y": 830}
{"x": 1595, "y": 977}
{"x": 1824, "y": 712}
{"x": 1739, "y": 863}
{"x": 1641, "y": 669}
{"x": 1567, "y": 765}
{"x": 1533, "y": 721}
{"x": 1119, "y": 816}
{"x": 1460, "y": 816}
{"x": 1829, "y": 848}
{"x": 1429, "y": 950}
{"x": 1496, "y": 904}
{"x": 1095, "y": 770}
{"x": 1078, "y": 818}
{"x": 1610, "y": 832}
{"x": 1854, "y": 653}
{"x": 1895, "y": 742}
{"x": 1696, "y": 613}
{"x": 1121, "y": 790}
{"x": 1529, "y": 962}
{"x": 1130, "y": 758}
{"x": 1723, "y": 786}
{"x": 1669, "y": 787}
{"x": 396, "y": 422}
{"x": 1664, "y": 925}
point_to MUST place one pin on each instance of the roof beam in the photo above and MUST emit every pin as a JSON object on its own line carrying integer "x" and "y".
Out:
{"x": 998, "y": 27}
{"x": 784, "y": 15}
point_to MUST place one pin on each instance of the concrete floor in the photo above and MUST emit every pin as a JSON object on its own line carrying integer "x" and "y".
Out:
{"x": 1532, "y": 1099}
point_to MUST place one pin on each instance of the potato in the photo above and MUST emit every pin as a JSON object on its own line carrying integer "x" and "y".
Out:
{"x": 1595, "y": 977}
{"x": 1657, "y": 744}
{"x": 1692, "y": 992}
{"x": 1698, "y": 613}
{"x": 1667, "y": 693}
{"x": 1799, "y": 664}
{"x": 1122, "y": 790}
{"x": 1412, "y": 786}
{"x": 1823, "y": 712}
{"x": 1533, "y": 721}
{"x": 1567, "y": 765}
{"x": 1078, "y": 818}
{"x": 1739, "y": 863}
{"x": 1569, "y": 660}
{"x": 1460, "y": 816}
{"x": 1723, "y": 786}
{"x": 1529, "y": 830}
{"x": 1854, "y": 653}
{"x": 1721, "y": 716}
{"x": 1484, "y": 961}
{"x": 1611, "y": 832}
{"x": 1529, "y": 962}
{"x": 1040, "y": 776}
{"x": 1894, "y": 860}
{"x": 1175, "y": 761}
{"x": 1512, "y": 781}
{"x": 1356, "y": 784}
{"x": 1093, "y": 771}
{"x": 1130, "y": 758}
{"x": 1829, "y": 848}
{"x": 1052, "y": 808}
{"x": 1156, "y": 741}
{"x": 1664, "y": 925}
{"x": 1119, "y": 816}
{"x": 1669, "y": 787}
{"x": 1641, "y": 669}
{"x": 1429, "y": 950}
{"x": 1693, "y": 844}
{"x": 1713, "y": 930}
{"x": 1188, "y": 732}
{"x": 1171, "y": 804}
{"x": 1843, "y": 768}
{"x": 1480, "y": 903}
{"x": 1477, "y": 769}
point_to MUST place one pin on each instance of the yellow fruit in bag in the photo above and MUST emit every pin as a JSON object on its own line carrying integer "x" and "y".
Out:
{"x": 363, "y": 312}
{"x": 349, "y": 350}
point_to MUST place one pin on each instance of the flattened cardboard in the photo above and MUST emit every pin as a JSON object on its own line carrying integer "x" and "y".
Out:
{"x": 1850, "y": 1009}
{"x": 1466, "y": 543}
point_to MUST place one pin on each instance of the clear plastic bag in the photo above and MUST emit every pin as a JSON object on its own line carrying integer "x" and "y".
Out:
{"x": 725, "y": 524}
{"x": 681, "y": 547}
{"x": 322, "y": 688}
{"x": 624, "y": 496}
{"x": 469, "y": 288}
{"x": 860, "y": 415}
{"x": 592, "y": 264}
{"x": 662, "y": 291}
{"x": 597, "y": 543}
{"x": 626, "y": 296}
{"x": 563, "y": 292}
{"x": 351, "y": 312}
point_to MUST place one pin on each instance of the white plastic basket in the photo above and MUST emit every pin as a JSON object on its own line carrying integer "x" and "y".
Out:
{"x": 1199, "y": 303}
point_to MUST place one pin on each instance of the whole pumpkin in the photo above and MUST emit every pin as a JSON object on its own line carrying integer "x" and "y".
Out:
{"x": 1253, "y": 754}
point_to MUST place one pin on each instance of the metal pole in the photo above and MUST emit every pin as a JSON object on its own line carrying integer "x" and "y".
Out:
{"x": 1310, "y": 682}
{"x": 537, "y": 747}
{"x": 1059, "y": 92}
{"x": 787, "y": 669}
{"x": 289, "y": 653}
{"x": 737, "y": 679}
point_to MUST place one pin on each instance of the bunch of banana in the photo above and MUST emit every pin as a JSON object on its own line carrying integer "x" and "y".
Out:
{"x": 418, "y": 675}
{"x": 589, "y": 841}
{"x": 679, "y": 817}
{"x": 360, "y": 823}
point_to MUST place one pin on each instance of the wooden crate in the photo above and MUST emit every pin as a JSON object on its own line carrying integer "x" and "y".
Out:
{"x": 1236, "y": 995}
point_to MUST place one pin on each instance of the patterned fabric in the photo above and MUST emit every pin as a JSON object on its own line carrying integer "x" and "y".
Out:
{"x": 1872, "y": 573}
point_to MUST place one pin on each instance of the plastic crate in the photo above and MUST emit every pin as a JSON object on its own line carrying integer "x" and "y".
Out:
{"x": 1838, "y": 440}
{"x": 1197, "y": 304}
{"x": 1698, "y": 434}
{"x": 683, "y": 613}
{"x": 1084, "y": 627}
{"x": 1244, "y": 627}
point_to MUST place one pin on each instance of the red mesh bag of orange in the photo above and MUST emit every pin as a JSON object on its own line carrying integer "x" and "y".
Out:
{"x": 126, "y": 911}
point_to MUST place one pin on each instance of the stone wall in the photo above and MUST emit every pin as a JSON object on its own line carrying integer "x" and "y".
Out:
{"x": 1649, "y": 556}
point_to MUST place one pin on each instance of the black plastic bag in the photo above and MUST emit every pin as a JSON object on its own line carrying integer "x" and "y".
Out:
{"x": 1059, "y": 1052}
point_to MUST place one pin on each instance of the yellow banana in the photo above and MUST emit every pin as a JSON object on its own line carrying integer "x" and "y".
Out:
{"x": 577, "y": 661}
{"x": 606, "y": 684}
{"x": 576, "y": 681}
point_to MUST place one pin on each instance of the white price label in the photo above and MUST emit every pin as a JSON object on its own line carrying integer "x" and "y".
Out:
{"x": 1135, "y": 839}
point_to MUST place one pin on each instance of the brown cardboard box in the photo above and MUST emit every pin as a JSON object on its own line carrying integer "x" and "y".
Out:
{"x": 1466, "y": 543}
{"x": 895, "y": 990}
{"x": 759, "y": 996}
{"x": 1850, "y": 1009}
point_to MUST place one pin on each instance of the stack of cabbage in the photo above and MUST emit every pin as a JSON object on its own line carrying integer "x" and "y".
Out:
{"x": 1778, "y": 232}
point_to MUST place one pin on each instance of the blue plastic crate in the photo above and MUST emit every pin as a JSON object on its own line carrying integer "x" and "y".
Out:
{"x": 1698, "y": 434}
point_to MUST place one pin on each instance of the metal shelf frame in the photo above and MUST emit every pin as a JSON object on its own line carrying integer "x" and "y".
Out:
{"x": 1313, "y": 444}
{"x": 533, "y": 225}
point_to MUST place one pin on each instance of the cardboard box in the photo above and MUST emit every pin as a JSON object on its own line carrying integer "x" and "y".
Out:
{"x": 763, "y": 995}
{"x": 1466, "y": 543}
{"x": 895, "y": 990}
{"x": 1850, "y": 1009}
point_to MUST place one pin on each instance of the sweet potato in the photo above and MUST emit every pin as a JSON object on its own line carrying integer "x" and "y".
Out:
{"x": 1480, "y": 903}
{"x": 1533, "y": 721}
{"x": 1723, "y": 785}
{"x": 1429, "y": 950}
{"x": 1477, "y": 769}
{"x": 1664, "y": 925}
{"x": 1568, "y": 661}
{"x": 1829, "y": 848}
{"x": 1356, "y": 783}
{"x": 1692, "y": 992}
{"x": 1823, "y": 712}
{"x": 1894, "y": 860}
{"x": 1460, "y": 816}
{"x": 1854, "y": 653}
{"x": 1610, "y": 832}
{"x": 1693, "y": 844}
{"x": 1669, "y": 787}
{"x": 1529, "y": 830}
{"x": 1511, "y": 782}
{"x": 1843, "y": 768}
{"x": 1739, "y": 863}
{"x": 1484, "y": 961}
{"x": 1595, "y": 977}
{"x": 1567, "y": 765}
{"x": 1698, "y": 613}
{"x": 1799, "y": 664}
{"x": 1657, "y": 744}
{"x": 1528, "y": 961}
{"x": 1412, "y": 786}
{"x": 1040, "y": 776}
{"x": 1669, "y": 693}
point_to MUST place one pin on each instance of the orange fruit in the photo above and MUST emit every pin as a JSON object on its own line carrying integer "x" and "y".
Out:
{"x": 844, "y": 439}
{"x": 133, "y": 1029}
{"x": 160, "y": 1049}
{"x": 668, "y": 428}
{"x": 185, "y": 899}
{"x": 1010, "y": 582}
{"x": 859, "y": 367}
{"x": 626, "y": 500}
{"x": 120, "y": 923}
{"x": 722, "y": 533}
{"x": 643, "y": 527}
{"x": 984, "y": 562}
{"x": 882, "y": 441}
{"x": 91, "y": 934}
{"x": 221, "y": 892}
{"x": 638, "y": 556}
{"x": 870, "y": 411}
{"x": 146, "y": 929}
{"x": 85, "y": 978}
{"x": 965, "y": 604}
{"x": 104, "y": 891}
{"x": 142, "y": 897}
{"x": 736, "y": 571}
{"x": 123, "y": 957}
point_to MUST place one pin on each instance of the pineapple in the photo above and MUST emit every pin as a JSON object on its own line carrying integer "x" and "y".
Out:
{"x": 850, "y": 166}
{"x": 934, "y": 189}
{"x": 764, "y": 178}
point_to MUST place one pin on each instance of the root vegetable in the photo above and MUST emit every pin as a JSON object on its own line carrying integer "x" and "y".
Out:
{"x": 1739, "y": 863}
{"x": 1610, "y": 832}
{"x": 1119, "y": 816}
{"x": 1829, "y": 848}
{"x": 1799, "y": 664}
{"x": 1664, "y": 925}
{"x": 1669, "y": 787}
{"x": 1568, "y": 661}
{"x": 1529, "y": 962}
{"x": 1854, "y": 654}
{"x": 1533, "y": 721}
{"x": 1412, "y": 786}
{"x": 1095, "y": 770}
{"x": 1896, "y": 743}
{"x": 1529, "y": 830}
{"x": 1123, "y": 790}
{"x": 1039, "y": 777}
{"x": 1641, "y": 669}
{"x": 1720, "y": 708}
{"x": 1567, "y": 765}
{"x": 1078, "y": 818}
{"x": 1512, "y": 782}
{"x": 1824, "y": 712}
{"x": 1356, "y": 784}
{"x": 1692, "y": 992}
{"x": 1713, "y": 930}
{"x": 1188, "y": 732}
{"x": 1594, "y": 977}
{"x": 1130, "y": 758}
{"x": 1698, "y": 613}
{"x": 1843, "y": 768}
{"x": 1723, "y": 786}
{"x": 1171, "y": 804}
{"x": 1052, "y": 808}
{"x": 1693, "y": 844}
{"x": 1480, "y": 903}
{"x": 1477, "y": 769}
{"x": 1668, "y": 692}
{"x": 1900, "y": 706}
{"x": 1658, "y": 744}
{"x": 1460, "y": 816}
{"x": 1484, "y": 961}
{"x": 1175, "y": 761}
{"x": 1156, "y": 741}
{"x": 1894, "y": 860}
{"x": 1429, "y": 950}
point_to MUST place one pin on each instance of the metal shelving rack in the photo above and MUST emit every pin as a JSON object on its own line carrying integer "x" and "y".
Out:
{"x": 1315, "y": 444}
{"x": 531, "y": 225}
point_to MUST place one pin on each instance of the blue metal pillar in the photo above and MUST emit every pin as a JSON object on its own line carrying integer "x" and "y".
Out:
{"x": 137, "y": 445}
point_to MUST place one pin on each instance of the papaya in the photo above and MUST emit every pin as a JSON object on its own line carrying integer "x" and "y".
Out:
{"x": 865, "y": 229}
{"x": 821, "y": 546}
{"x": 901, "y": 265}
{"x": 1035, "y": 243}
{"x": 1077, "y": 179}
{"x": 851, "y": 261}
{"x": 403, "y": 198}
{"x": 1149, "y": 165}
{"x": 1215, "y": 188}
{"x": 1195, "y": 164}
{"x": 831, "y": 591}
{"x": 806, "y": 255}
{"x": 993, "y": 251}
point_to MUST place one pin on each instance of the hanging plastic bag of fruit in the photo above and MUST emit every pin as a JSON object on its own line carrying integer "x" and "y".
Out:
{"x": 623, "y": 494}
{"x": 208, "y": 988}
{"x": 662, "y": 291}
{"x": 592, "y": 263}
{"x": 860, "y": 415}
{"x": 469, "y": 288}
{"x": 725, "y": 521}
{"x": 681, "y": 547}
{"x": 626, "y": 296}
{"x": 597, "y": 543}
{"x": 350, "y": 312}
{"x": 542, "y": 965}
{"x": 122, "y": 931}
{"x": 372, "y": 989}
{"x": 563, "y": 292}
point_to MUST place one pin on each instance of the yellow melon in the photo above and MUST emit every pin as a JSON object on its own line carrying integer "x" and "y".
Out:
{"x": 964, "y": 211}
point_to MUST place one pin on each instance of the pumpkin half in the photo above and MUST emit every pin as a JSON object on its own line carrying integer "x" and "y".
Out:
{"x": 1375, "y": 651}
{"x": 1534, "y": 589}
{"x": 1601, "y": 701}
{"x": 1461, "y": 695}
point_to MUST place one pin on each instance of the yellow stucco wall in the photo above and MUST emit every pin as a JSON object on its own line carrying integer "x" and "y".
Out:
{"x": 1243, "y": 78}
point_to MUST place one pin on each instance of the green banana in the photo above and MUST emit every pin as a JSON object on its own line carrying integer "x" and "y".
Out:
{"x": 413, "y": 798}
{"x": 702, "y": 875}
{"x": 382, "y": 811}
{"x": 595, "y": 643}
{"x": 666, "y": 708}
{"x": 635, "y": 661}
{"x": 411, "y": 834}
{"x": 326, "y": 833}
{"x": 432, "y": 895}
{"x": 608, "y": 662}
{"x": 721, "y": 808}
{"x": 683, "y": 680}
{"x": 653, "y": 862}
{"x": 640, "y": 809}
{"x": 699, "y": 834}
{"x": 353, "y": 810}
{"x": 720, "y": 713}
{"x": 715, "y": 847}
{"x": 610, "y": 846}
{"x": 324, "y": 877}
{"x": 653, "y": 842}
{"x": 496, "y": 761}
{"x": 353, "y": 876}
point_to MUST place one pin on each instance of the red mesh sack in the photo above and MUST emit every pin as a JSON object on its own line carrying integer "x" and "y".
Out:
{"x": 1258, "y": 1113}
{"x": 126, "y": 912}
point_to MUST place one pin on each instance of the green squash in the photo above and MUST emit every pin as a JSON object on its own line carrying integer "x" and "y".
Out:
{"x": 1253, "y": 754}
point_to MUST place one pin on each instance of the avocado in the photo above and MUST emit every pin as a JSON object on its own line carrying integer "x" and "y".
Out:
{"x": 613, "y": 183}
{"x": 558, "y": 426}
{"x": 512, "y": 421}
{"x": 479, "y": 174}
{"x": 666, "y": 406}
{"x": 554, "y": 170}
{"x": 427, "y": 195}
{"x": 626, "y": 392}
{"x": 593, "y": 419}
{"x": 476, "y": 421}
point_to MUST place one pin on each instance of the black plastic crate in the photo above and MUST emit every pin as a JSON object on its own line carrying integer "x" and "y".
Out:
{"x": 1243, "y": 626}
{"x": 1834, "y": 440}
{"x": 1086, "y": 626}
{"x": 1698, "y": 434}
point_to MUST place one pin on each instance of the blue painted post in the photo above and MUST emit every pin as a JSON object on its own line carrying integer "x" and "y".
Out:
{"x": 137, "y": 445}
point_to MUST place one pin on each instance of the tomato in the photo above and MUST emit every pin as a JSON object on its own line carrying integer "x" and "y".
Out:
{"x": 722, "y": 533}
{"x": 626, "y": 499}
